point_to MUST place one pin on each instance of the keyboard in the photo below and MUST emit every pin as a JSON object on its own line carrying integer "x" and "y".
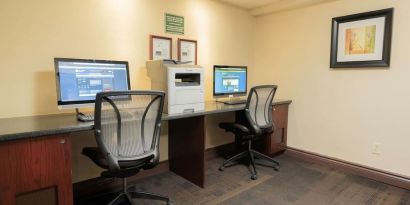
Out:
{"x": 234, "y": 101}
{"x": 85, "y": 117}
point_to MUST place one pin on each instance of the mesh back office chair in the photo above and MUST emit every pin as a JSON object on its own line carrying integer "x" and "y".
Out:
{"x": 258, "y": 113}
{"x": 127, "y": 130}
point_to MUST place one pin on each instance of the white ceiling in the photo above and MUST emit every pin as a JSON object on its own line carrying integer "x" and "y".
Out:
{"x": 263, "y": 7}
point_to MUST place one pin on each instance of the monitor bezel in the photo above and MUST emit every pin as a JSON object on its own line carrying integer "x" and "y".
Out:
{"x": 82, "y": 103}
{"x": 232, "y": 93}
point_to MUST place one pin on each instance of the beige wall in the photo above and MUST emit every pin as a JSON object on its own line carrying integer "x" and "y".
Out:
{"x": 34, "y": 32}
{"x": 338, "y": 113}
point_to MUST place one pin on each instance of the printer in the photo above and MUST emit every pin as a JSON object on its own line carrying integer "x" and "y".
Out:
{"x": 183, "y": 85}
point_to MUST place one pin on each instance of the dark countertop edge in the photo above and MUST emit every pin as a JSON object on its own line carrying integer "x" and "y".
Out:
{"x": 167, "y": 117}
{"x": 42, "y": 133}
{"x": 280, "y": 102}
{"x": 84, "y": 127}
{"x": 195, "y": 114}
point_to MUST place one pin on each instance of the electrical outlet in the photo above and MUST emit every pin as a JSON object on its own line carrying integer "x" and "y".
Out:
{"x": 376, "y": 148}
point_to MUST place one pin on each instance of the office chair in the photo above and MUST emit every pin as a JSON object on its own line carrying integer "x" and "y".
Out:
{"x": 258, "y": 114}
{"x": 127, "y": 131}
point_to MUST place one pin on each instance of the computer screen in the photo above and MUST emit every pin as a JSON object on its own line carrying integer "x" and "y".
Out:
{"x": 230, "y": 80}
{"x": 78, "y": 80}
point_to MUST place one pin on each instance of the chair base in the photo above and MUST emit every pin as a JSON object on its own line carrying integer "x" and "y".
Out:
{"x": 129, "y": 194}
{"x": 251, "y": 154}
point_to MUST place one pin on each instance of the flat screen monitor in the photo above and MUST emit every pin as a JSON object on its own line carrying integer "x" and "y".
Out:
{"x": 230, "y": 80}
{"x": 79, "y": 80}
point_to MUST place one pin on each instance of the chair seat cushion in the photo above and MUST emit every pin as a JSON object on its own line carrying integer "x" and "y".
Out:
{"x": 243, "y": 131}
{"x": 235, "y": 128}
{"x": 98, "y": 158}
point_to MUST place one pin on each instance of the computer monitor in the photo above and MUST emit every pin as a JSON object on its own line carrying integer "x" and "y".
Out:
{"x": 230, "y": 80}
{"x": 79, "y": 80}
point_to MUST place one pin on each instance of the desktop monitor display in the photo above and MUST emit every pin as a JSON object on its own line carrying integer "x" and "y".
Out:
{"x": 230, "y": 80}
{"x": 78, "y": 80}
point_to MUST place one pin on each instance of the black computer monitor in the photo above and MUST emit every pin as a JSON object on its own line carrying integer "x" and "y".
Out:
{"x": 79, "y": 80}
{"x": 230, "y": 80}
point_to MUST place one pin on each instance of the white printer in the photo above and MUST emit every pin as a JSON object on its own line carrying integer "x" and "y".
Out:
{"x": 183, "y": 85}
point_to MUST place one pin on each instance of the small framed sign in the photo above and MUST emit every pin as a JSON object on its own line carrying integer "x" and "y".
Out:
{"x": 160, "y": 48}
{"x": 174, "y": 24}
{"x": 188, "y": 51}
{"x": 362, "y": 40}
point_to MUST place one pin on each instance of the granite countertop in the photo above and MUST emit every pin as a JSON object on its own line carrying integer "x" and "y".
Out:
{"x": 213, "y": 107}
{"x": 36, "y": 126}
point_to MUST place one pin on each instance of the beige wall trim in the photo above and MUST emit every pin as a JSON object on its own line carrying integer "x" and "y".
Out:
{"x": 364, "y": 171}
{"x": 285, "y": 6}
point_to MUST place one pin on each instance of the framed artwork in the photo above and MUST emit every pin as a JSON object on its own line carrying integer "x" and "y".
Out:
{"x": 188, "y": 51}
{"x": 160, "y": 48}
{"x": 362, "y": 40}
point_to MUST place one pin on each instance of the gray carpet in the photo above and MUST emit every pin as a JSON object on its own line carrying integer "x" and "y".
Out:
{"x": 297, "y": 182}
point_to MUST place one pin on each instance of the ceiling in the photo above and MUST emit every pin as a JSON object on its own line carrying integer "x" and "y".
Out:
{"x": 249, "y": 4}
{"x": 263, "y": 7}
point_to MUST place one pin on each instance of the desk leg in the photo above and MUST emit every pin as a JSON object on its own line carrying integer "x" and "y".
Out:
{"x": 187, "y": 148}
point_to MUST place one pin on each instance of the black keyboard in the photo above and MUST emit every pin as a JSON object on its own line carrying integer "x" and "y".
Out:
{"x": 85, "y": 117}
{"x": 233, "y": 101}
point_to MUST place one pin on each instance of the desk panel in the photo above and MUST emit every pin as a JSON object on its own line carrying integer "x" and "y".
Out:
{"x": 35, "y": 164}
{"x": 35, "y": 151}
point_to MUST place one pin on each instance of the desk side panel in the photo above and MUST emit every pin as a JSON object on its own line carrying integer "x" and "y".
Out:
{"x": 187, "y": 148}
{"x": 35, "y": 164}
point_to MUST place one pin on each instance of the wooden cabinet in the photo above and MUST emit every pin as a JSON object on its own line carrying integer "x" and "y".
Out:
{"x": 36, "y": 164}
{"x": 276, "y": 142}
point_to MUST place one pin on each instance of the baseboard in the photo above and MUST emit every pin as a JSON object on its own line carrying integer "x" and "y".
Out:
{"x": 218, "y": 151}
{"x": 364, "y": 171}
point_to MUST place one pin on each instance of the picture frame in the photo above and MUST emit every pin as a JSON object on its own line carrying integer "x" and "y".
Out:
{"x": 362, "y": 40}
{"x": 160, "y": 48}
{"x": 188, "y": 51}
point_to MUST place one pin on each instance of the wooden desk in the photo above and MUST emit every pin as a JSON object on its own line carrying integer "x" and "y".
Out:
{"x": 35, "y": 152}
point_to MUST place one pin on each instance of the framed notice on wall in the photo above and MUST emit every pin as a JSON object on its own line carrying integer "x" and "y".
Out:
{"x": 188, "y": 51}
{"x": 160, "y": 48}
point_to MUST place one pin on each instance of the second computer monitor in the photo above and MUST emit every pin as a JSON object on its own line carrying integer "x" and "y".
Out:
{"x": 230, "y": 80}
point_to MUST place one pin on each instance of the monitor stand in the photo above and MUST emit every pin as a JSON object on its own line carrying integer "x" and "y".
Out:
{"x": 83, "y": 117}
{"x": 232, "y": 100}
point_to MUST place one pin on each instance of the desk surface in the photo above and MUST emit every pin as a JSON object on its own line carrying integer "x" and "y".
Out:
{"x": 36, "y": 126}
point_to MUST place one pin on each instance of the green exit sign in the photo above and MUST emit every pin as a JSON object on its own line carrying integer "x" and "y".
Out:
{"x": 174, "y": 24}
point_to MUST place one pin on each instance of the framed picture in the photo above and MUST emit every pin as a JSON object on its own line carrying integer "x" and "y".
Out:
{"x": 188, "y": 51}
{"x": 362, "y": 40}
{"x": 160, "y": 48}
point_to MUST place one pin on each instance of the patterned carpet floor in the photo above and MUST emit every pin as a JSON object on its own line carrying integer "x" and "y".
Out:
{"x": 296, "y": 183}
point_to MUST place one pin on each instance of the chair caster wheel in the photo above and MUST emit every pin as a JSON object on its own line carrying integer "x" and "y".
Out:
{"x": 222, "y": 168}
{"x": 276, "y": 168}
{"x": 254, "y": 177}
